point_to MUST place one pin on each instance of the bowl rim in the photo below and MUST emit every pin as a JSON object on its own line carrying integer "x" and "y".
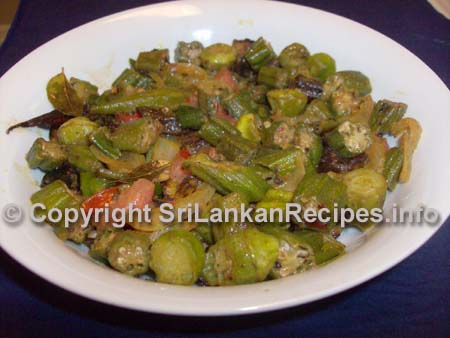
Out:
{"x": 285, "y": 303}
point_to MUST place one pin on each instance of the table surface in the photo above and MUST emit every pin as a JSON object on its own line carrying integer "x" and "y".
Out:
{"x": 412, "y": 299}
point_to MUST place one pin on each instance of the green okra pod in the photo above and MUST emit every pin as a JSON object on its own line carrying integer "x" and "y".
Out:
{"x": 321, "y": 65}
{"x": 239, "y": 104}
{"x": 245, "y": 257}
{"x": 294, "y": 254}
{"x": 349, "y": 139}
{"x": 102, "y": 141}
{"x": 218, "y": 55}
{"x": 152, "y": 62}
{"x": 45, "y": 155}
{"x": 82, "y": 158}
{"x": 91, "y": 184}
{"x": 228, "y": 177}
{"x": 273, "y": 77}
{"x": 280, "y": 161}
{"x": 154, "y": 98}
{"x": 323, "y": 246}
{"x": 137, "y": 135}
{"x": 129, "y": 252}
{"x": 55, "y": 195}
{"x": 189, "y": 52}
{"x": 392, "y": 167}
{"x": 293, "y": 55}
{"x": 86, "y": 91}
{"x": 100, "y": 247}
{"x": 287, "y": 102}
{"x": 249, "y": 126}
{"x": 76, "y": 131}
{"x": 177, "y": 257}
{"x": 385, "y": 114}
{"x": 190, "y": 117}
{"x": 260, "y": 54}
{"x": 131, "y": 78}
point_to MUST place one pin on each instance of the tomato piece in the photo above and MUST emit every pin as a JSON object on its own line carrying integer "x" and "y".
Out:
{"x": 225, "y": 76}
{"x": 127, "y": 117}
{"x": 222, "y": 114}
{"x": 139, "y": 194}
{"x": 185, "y": 153}
{"x": 192, "y": 100}
{"x": 177, "y": 172}
{"x": 100, "y": 199}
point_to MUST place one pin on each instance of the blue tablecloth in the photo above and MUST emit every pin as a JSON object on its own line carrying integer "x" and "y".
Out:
{"x": 410, "y": 300}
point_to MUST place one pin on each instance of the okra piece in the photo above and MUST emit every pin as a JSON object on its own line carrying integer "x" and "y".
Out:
{"x": 100, "y": 247}
{"x": 349, "y": 139}
{"x": 293, "y": 55}
{"x": 217, "y": 56}
{"x": 245, "y": 257}
{"x": 279, "y": 161}
{"x": 102, "y": 141}
{"x": 385, "y": 114}
{"x": 237, "y": 148}
{"x": 287, "y": 102}
{"x": 131, "y": 78}
{"x": 321, "y": 65}
{"x": 76, "y": 131}
{"x": 228, "y": 177}
{"x": 210, "y": 94}
{"x": 137, "y": 135}
{"x": 82, "y": 158}
{"x": 273, "y": 77}
{"x": 310, "y": 143}
{"x": 154, "y": 98}
{"x": 366, "y": 189}
{"x": 214, "y": 130}
{"x": 278, "y": 195}
{"x": 239, "y": 103}
{"x": 316, "y": 112}
{"x": 323, "y": 246}
{"x": 190, "y": 117}
{"x": 279, "y": 134}
{"x": 86, "y": 91}
{"x": 74, "y": 233}
{"x": 63, "y": 96}
{"x": 56, "y": 195}
{"x": 183, "y": 75}
{"x": 316, "y": 190}
{"x": 189, "y": 52}
{"x": 90, "y": 184}
{"x": 249, "y": 126}
{"x": 129, "y": 253}
{"x": 349, "y": 81}
{"x": 392, "y": 167}
{"x": 45, "y": 155}
{"x": 294, "y": 254}
{"x": 260, "y": 54}
{"x": 177, "y": 257}
{"x": 152, "y": 62}
{"x": 230, "y": 201}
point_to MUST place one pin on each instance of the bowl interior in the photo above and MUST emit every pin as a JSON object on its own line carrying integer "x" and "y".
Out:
{"x": 99, "y": 51}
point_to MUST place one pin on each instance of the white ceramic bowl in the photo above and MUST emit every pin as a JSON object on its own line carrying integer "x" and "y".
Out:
{"x": 98, "y": 51}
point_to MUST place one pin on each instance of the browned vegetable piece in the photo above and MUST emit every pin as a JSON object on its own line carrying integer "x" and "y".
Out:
{"x": 241, "y": 65}
{"x": 67, "y": 173}
{"x": 331, "y": 161}
{"x": 166, "y": 117}
{"x": 311, "y": 87}
{"x": 49, "y": 120}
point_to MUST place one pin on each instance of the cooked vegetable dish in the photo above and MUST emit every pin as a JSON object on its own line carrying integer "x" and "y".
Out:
{"x": 221, "y": 126}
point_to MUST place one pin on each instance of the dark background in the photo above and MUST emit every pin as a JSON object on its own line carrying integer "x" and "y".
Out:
{"x": 410, "y": 300}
